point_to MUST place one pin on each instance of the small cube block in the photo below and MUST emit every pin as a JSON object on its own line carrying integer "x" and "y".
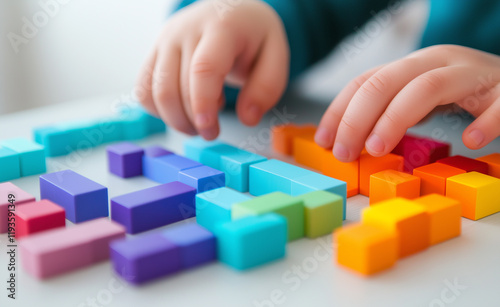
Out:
{"x": 390, "y": 183}
{"x": 38, "y": 216}
{"x": 125, "y": 159}
{"x": 56, "y": 142}
{"x": 207, "y": 152}
{"x": 272, "y": 176}
{"x": 10, "y": 196}
{"x": 433, "y": 177}
{"x": 344, "y": 171}
{"x": 31, "y": 155}
{"x": 493, "y": 162}
{"x": 236, "y": 166}
{"x": 467, "y": 164}
{"x": 165, "y": 169}
{"x": 369, "y": 165}
{"x": 202, "y": 178}
{"x": 9, "y": 164}
{"x": 419, "y": 151}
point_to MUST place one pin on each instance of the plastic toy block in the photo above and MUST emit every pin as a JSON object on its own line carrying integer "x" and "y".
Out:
{"x": 206, "y": 152}
{"x": 390, "y": 183}
{"x": 323, "y": 212}
{"x": 81, "y": 198}
{"x": 134, "y": 123}
{"x": 252, "y": 241}
{"x": 82, "y": 134}
{"x": 197, "y": 245}
{"x": 347, "y": 172}
{"x": 38, "y": 216}
{"x": 493, "y": 162}
{"x": 400, "y": 147}
{"x": 154, "y": 207}
{"x": 145, "y": 258}
{"x": 467, "y": 164}
{"x": 125, "y": 159}
{"x": 18, "y": 197}
{"x": 214, "y": 207}
{"x": 54, "y": 141}
{"x": 409, "y": 221}
{"x": 433, "y": 177}
{"x": 156, "y": 151}
{"x": 419, "y": 151}
{"x": 369, "y": 165}
{"x": 273, "y": 176}
{"x": 445, "y": 216}
{"x": 61, "y": 250}
{"x": 366, "y": 249}
{"x": 9, "y": 164}
{"x": 108, "y": 130}
{"x": 308, "y": 153}
{"x": 166, "y": 169}
{"x": 282, "y": 136}
{"x": 290, "y": 207}
{"x": 31, "y": 155}
{"x": 202, "y": 178}
{"x": 236, "y": 166}
{"x": 149, "y": 164}
{"x": 151, "y": 123}
{"x": 477, "y": 192}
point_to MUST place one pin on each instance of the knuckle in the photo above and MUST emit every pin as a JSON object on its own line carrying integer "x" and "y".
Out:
{"x": 164, "y": 94}
{"x": 393, "y": 119}
{"x": 376, "y": 85}
{"x": 203, "y": 68}
{"x": 430, "y": 83}
{"x": 348, "y": 123}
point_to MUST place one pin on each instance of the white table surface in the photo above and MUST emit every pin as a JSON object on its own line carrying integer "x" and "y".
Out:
{"x": 306, "y": 277}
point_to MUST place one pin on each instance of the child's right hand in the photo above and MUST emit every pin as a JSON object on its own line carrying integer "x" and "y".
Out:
{"x": 199, "y": 49}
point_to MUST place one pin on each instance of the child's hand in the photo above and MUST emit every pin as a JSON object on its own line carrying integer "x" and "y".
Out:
{"x": 199, "y": 49}
{"x": 376, "y": 108}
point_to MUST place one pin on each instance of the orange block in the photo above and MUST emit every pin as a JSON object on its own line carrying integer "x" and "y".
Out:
{"x": 348, "y": 172}
{"x": 307, "y": 152}
{"x": 369, "y": 165}
{"x": 390, "y": 183}
{"x": 366, "y": 249}
{"x": 493, "y": 161}
{"x": 445, "y": 216}
{"x": 409, "y": 221}
{"x": 282, "y": 136}
{"x": 433, "y": 177}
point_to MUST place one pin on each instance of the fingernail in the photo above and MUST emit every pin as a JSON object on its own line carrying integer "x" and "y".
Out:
{"x": 477, "y": 137}
{"x": 323, "y": 137}
{"x": 209, "y": 134}
{"x": 254, "y": 113}
{"x": 202, "y": 121}
{"x": 375, "y": 144}
{"x": 340, "y": 152}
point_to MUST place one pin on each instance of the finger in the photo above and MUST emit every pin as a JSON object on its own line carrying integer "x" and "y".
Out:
{"x": 485, "y": 128}
{"x": 144, "y": 87}
{"x": 188, "y": 49}
{"x": 434, "y": 88}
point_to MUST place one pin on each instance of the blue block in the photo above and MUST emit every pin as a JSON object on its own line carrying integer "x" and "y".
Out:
{"x": 197, "y": 245}
{"x": 154, "y": 207}
{"x": 207, "y": 152}
{"x": 156, "y": 151}
{"x": 236, "y": 166}
{"x": 55, "y": 141}
{"x": 214, "y": 207}
{"x": 81, "y": 198}
{"x": 203, "y": 178}
{"x": 252, "y": 241}
{"x": 273, "y": 176}
{"x": 166, "y": 169}
{"x": 10, "y": 167}
{"x": 31, "y": 155}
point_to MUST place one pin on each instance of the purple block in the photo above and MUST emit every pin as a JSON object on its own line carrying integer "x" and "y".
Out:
{"x": 197, "y": 245}
{"x": 125, "y": 159}
{"x": 145, "y": 258}
{"x": 156, "y": 151}
{"x": 81, "y": 198}
{"x": 166, "y": 169}
{"x": 154, "y": 207}
{"x": 203, "y": 178}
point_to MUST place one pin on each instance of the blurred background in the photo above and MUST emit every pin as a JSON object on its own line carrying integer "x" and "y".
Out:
{"x": 56, "y": 51}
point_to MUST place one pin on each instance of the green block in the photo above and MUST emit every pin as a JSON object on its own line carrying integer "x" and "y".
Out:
{"x": 31, "y": 155}
{"x": 289, "y": 207}
{"x": 323, "y": 212}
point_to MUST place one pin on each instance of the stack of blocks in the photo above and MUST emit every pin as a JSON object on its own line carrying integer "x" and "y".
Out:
{"x": 20, "y": 158}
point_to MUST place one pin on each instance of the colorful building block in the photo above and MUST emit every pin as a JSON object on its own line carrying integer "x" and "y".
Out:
{"x": 149, "y": 163}
{"x": 203, "y": 178}
{"x": 308, "y": 153}
{"x": 55, "y": 141}
{"x": 154, "y": 207}
{"x": 206, "y": 152}
{"x": 61, "y": 250}
{"x": 433, "y": 177}
{"x": 251, "y": 241}
{"x": 19, "y": 197}
{"x": 282, "y": 136}
{"x": 366, "y": 249}
{"x": 156, "y": 151}
{"x": 347, "y": 172}
{"x": 83, "y": 134}
{"x": 31, "y": 155}
{"x": 369, "y": 165}
{"x": 493, "y": 162}
{"x": 236, "y": 166}
{"x": 145, "y": 258}
{"x": 409, "y": 221}
{"x": 445, "y": 216}
{"x": 467, "y": 164}
{"x": 166, "y": 168}
{"x": 197, "y": 245}
{"x": 323, "y": 212}
{"x": 81, "y": 198}
{"x": 133, "y": 123}
{"x": 125, "y": 159}
{"x": 214, "y": 207}
{"x": 418, "y": 151}
{"x": 477, "y": 192}
{"x": 289, "y": 207}
{"x": 38, "y": 216}
{"x": 390, "y": 183}
{"x": 272, "y": 176}
{"x": 9, "y": 164}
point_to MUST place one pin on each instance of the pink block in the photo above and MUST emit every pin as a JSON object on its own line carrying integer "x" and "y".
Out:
{"x": 419, "y": 151}
{"x": 61, "y": 250}
{"x": 38, "y": 216}
{"x": 21, "y": 197}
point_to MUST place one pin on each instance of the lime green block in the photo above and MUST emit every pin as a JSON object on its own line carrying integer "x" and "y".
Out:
{"x": 323, "y": 212}
{"x": 280, "y": 203}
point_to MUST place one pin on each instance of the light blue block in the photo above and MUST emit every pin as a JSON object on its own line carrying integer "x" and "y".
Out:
{"x": 31, "y": 155}
{"x": 55, "y": 142}
{"x": 202, "y": 178}
{"x": 84, "y": 134}
{"x": 214, "y": 207}
{"x": 154, "y": 124}
{"x": 9, "y": 164}
{"x": 236, "y": 165}
{"x": 165, "y": 169}
{"x": 273, "y": 176}
{"x": 111, "y": 129}
{"x": 315, "y": 182}
{"x": 195, "y": 148}
{"x": 252, "y": 241}
{"x": 134, "y": 126}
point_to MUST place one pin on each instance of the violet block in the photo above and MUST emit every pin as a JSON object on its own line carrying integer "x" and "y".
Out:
{"x": 81, "y": 198}
{"x": 125, "y": 159}
{"x": 203, "y": 178}
{"x": 154, "y": 207}
{"x": 197, "y": 245}
{"x": 145, "y": 258}
{"x": 166, "y": 169}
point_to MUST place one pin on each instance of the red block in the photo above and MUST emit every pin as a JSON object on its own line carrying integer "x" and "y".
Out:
{"x": 38, "y": 216}
{"x": 419, "y": 151}
{"x": 467, "y": 164}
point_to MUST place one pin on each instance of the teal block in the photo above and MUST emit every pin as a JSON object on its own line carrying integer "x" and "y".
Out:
{"x": 134, "y": 127}
{"x": 154, "y": 124}
{"x": 111, "y": 130}
{"x": 9, "y": 164}
{"x": 214, "y": 207}
{"x": 31, "y": 155}
{"x": 84, "y": 134}
{"x": 252, "y": 241}
{"x": 55, "y": 141}
{"x": 207, "y": 152}
{"x": 236, "y": 166}
{"x": 273, "y": 176}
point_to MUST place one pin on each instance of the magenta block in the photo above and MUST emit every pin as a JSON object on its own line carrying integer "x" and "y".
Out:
{"x": 19, "y": 197}
{"x": 203, "y": 178}
{"x": 419, "y": 151}
{"x": 125, "y": 159}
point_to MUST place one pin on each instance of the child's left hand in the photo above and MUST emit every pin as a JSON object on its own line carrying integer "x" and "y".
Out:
{"x": 376, "y": 108}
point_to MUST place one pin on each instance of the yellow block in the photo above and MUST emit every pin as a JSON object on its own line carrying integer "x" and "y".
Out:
{"x": 478, "y": 193}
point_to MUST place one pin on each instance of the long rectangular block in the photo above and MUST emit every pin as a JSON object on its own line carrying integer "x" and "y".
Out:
{"x": 493, "y": 161}
{"x": 38, "y": 216}
{"x": 55, "y": 141}
{"x": 156, "y": 151}
{"x": 273, "y": 176}
{"x": 10, "y": 164}
{"x": 433, "y": 177}
{"x": 369, "y": 165}
{"x": 125, "y": 159}
{"x": 164, "y": 169}
{"x": 18, "y": 197}
{"x": 81, "y": 198}
{"x": 236, "y": 166}
{"x": 61, "y": 250}
{"x": 154, "y": 207}
{"x": 31, "y": 155}
{"x": 467, "y": 164}
{"x": 202, "y": 178}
